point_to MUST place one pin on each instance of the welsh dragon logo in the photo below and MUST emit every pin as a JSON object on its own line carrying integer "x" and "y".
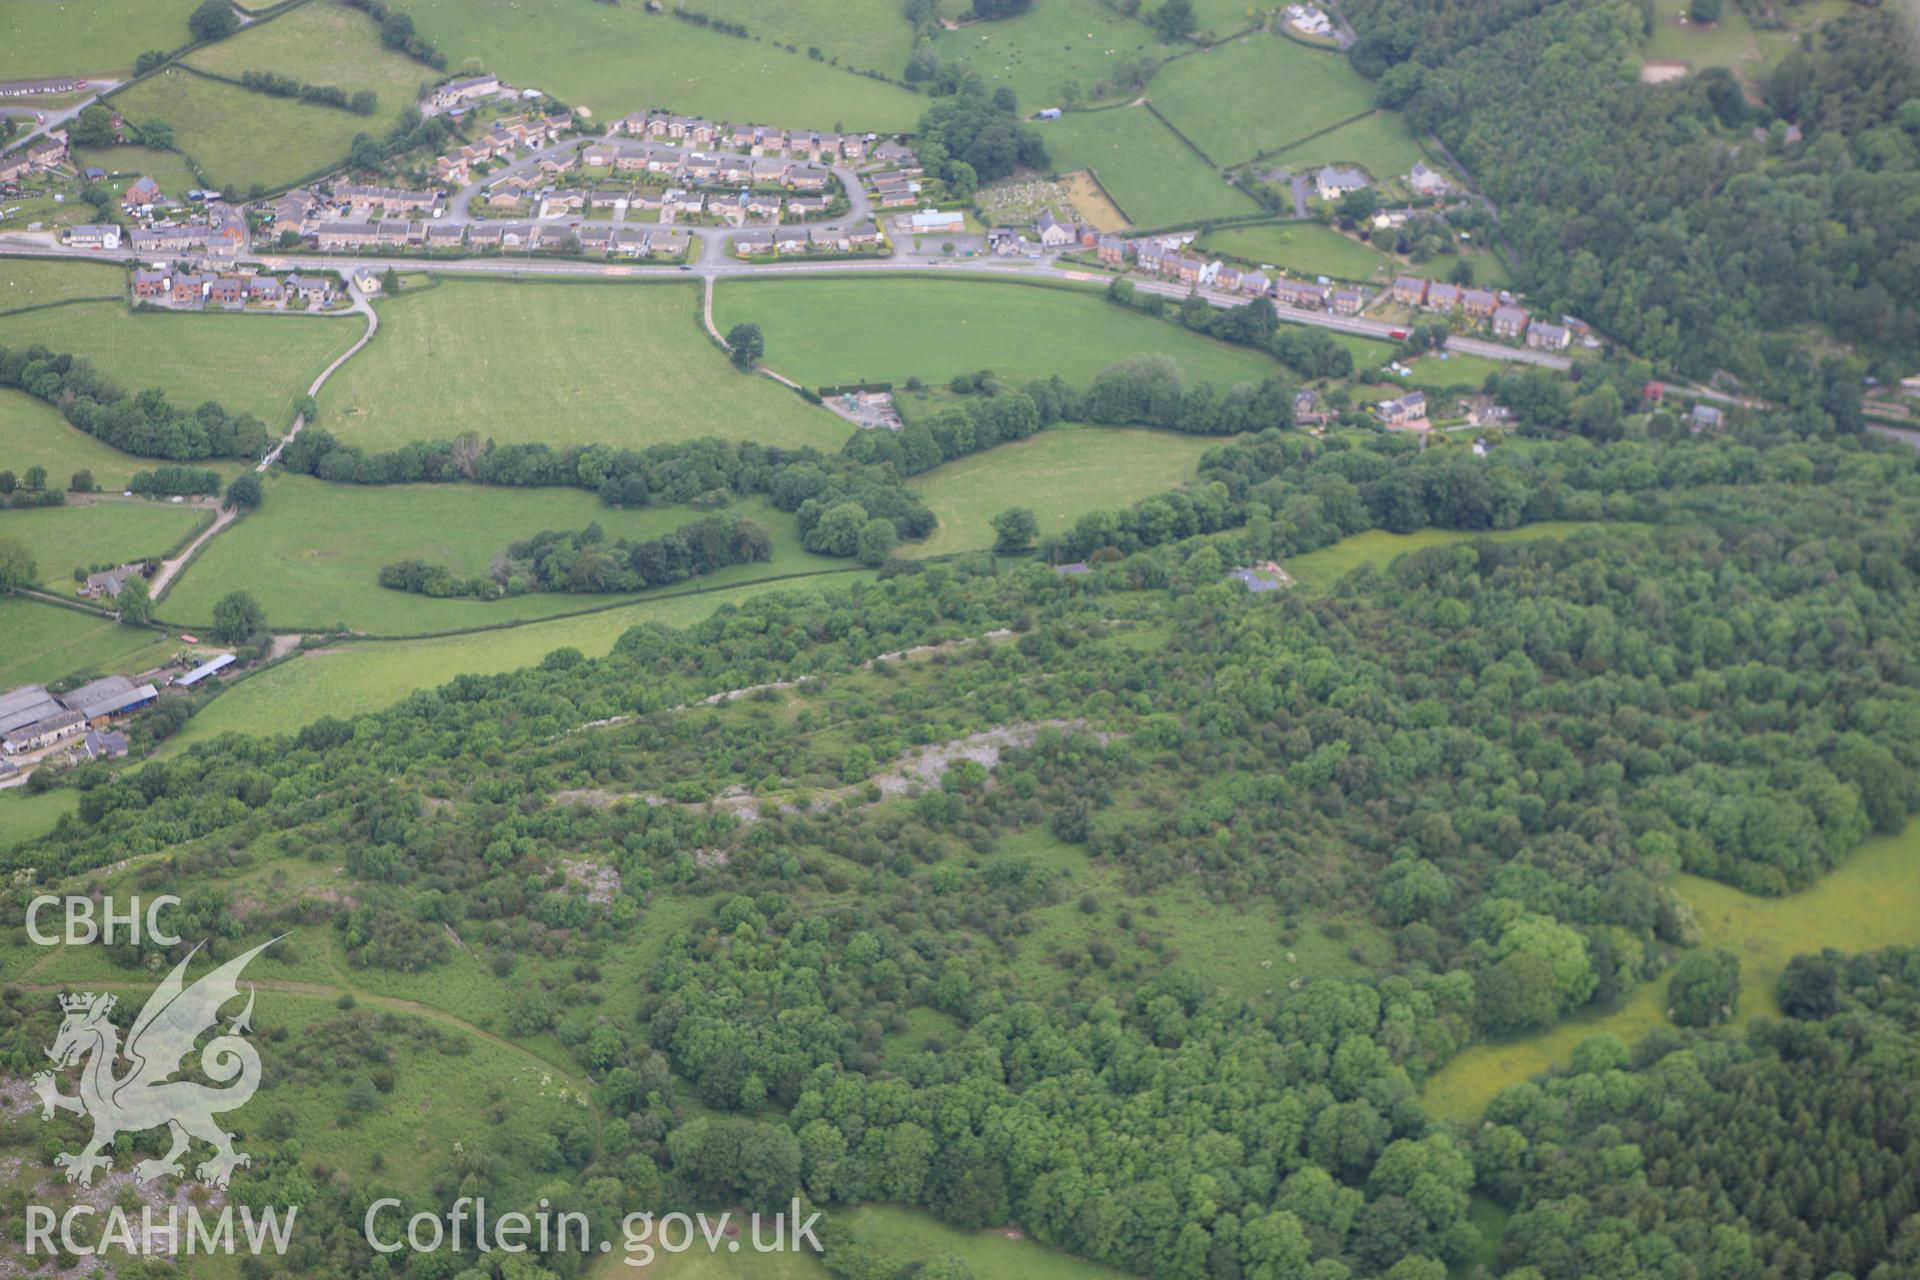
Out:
{"x": 157, "y": 1045}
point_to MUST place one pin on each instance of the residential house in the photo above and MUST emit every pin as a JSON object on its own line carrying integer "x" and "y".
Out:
{"x": 94, "y": 235}
{"x": 445, "y": 235}
{"x": 1150, "y": 255}
{"x": 763, "y": 206}
{"x": 1227, "y": 279}
{"x": 397, "y": 233}
{"x": 1549, "y": 337}
{"x": 1424, "y": 181}
{"x": 1479, "y": 303}
{"x": 167, "y": 241}
{"x": 731, "y": 210}
{"x": 827, "y": 147}
{"x": 647, "y": 201}
{"x": 1350, "y": 302}
{"x": 48, "y": 152}
{"x": 685, "y": 203}
{"x": 455, "y": 92}
{"x": 450, "y": 169}
{"x": 266, "y": 289}
{"x": 864, "y": 236}
{"x": 1335, "y": 181}
{"x": 596, "y": 237}
{"x": 1409, "y": 408}
{"x": 1053, "y": 233}
{"x": 346, "y": 235}
{"x": 807, "y": 206}
{"x": 1409, "y": 291}
{"x": 735, "y": 170}
{"x": 1704, "y": 417}
{"x": 853, "y": 147}
{"x": 1306, "y": 410}
{"x": 1442, "y": 297}
{"x": 668, "y": 244}
{"x": 1111, "y": 251}
{"x": 189, "y": 290}
{"x": 227, "y": 236}
{"x": 819, "y": 241}
{"x": 894, "y": 153}
{"x": 1255, "y": 284}
{"x": 103, "y": 746}
{"x": 808, "y": 177}
{"x": 601, "y": 155}
{"x": 791, "y": 240}
{"x": 291, "y": 210}
{"x": 44, "y": 733}
{"x": 107, "y": 583}
{"x": 387, "y": 199}
{"x": 631, "y": 242}
{"x": 558, "y": 204}
{"x": 315, "y": 291}
{"x": 744, "y": 137}
{"x": 1509, "y": 322}
{"x": 14, "y": 167}
{"x": 755, "y": 244}
{"x": 770, "y": 173}
{"x": 702, "y": 169}
{"x": 227, "y": 291}
{"x": 1303, "y": 294}
{"x": 142, "y": 193}
{"x": 151, "y": 284}
{"x": 936, "y": 222}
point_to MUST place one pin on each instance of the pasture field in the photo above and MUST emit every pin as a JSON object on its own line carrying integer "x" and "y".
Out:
{"x": 1450, "y": 369}
{"x": 1051, "y": 43}
{"x": 560, "y": 364}
{"x": 41, "y": 38}
{"x": 32, "y": 433}
{"x": 821, "y": 332}
{"x": 1303, "y": 248}
{"x": 312, "y": 554}
{"x": 1489, "y": 269}
{"x": 1155, "y": 178}
{"x": 240, "y": 138}
{"x": 78, "y": 535}
{"x": 350, "y": 679}
{"x": 903, "y": 1236}
{"x": 124, "y": 164}
{"x": 1381, "y": 143}
{"x": 1871, "y": 900}
{"x": 27, "y": 817}
{"x": 31, "y": 282}
{"x": 1320, "y": 570}
{"x": 1061, "y": 473}
{"x": 250, "y": 364}
{"x": 323, "y": 42}
{"x": 46, "y": 642}
{"x": 864, "y": 35}
{"x": 1254, "y": 96}
{"x": 1728, "y": 43}
{"x": 620, "y": 58}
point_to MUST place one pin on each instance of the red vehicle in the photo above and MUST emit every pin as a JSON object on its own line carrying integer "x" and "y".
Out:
{"x": 1396, "y": 334}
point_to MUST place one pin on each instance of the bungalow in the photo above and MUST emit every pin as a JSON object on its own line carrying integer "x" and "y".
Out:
{"x": 601, "y": 155}
{"x": 1302, "y": 294}
{"x": 1442, "y": 297}
{"x": 1509, "y": 322}
{"x": 1350, "y": 302}
{"x": 1704, "y": 417}
{"x": 807, "y": 206}
{"x": 765, "y": 206}
{"x": 791, "y": 240}
{"x": 558, "y": 204}
{"x": 729, "y": 209}
{"x": 228, "y": 291}
{"x": 808, "y": 178}
{"x": 108, "y": 583}
{"x": 141, "y": 193}
{"x": 346, "y": 235}
{"x": 935, "y": 222}
{"x": 188, "y": 290}
{"x": 629, "y": 242}
{"x": 1335, "y": 181}
{"x": 520, "y": 235}
{"x": 735, "y": 169}
{"x": 756, "y": 244}
{"x": 900, "y": 199}
{"x": 819, "y": 241}
{"x": 1052, "y": 233}
{"x": 485, "y": 235}
{"x": 700, "y": 168}
{"x": 387, "y": 199}
{"x": 596, "y": 237}
{"x": 668, "y": 244}
{"x": 94, "y": 235}
{"x": 1549, "y": 337}
{"x": 647, "y": 201}
{"x": 445, "y": 235}
{"x": 552, "y": 166}
{"x": 894, "y": 153}
{"x": 1409, "y": 291}
{"x": 864, "y": 236}
{"x": 1409, "y": 408}
{"x": 685, "y": 203}
{"x": 151, "y": 284}
{"x": 1427, "y": 182}
{"x": 1479, "y": 303}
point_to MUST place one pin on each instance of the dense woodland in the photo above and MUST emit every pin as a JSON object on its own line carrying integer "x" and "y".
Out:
{"x": 1486, "y": 761}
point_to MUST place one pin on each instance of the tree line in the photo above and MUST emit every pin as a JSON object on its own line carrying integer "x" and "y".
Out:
{"x": 583, "y": 561}
{"x": 146, "y": 425}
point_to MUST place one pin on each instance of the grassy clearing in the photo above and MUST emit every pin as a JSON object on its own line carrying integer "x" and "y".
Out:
{"x": 1256, "y": 95}
{"x": 1382, "y": 144}
{"x": 1155, "y": 178}
{"x": 617, "y": 59}
{"x": 323, "y": 42}
{"x": 240, "y": 138}
{"x": 1303, "y": 248}
{"x": 1871, "y": 900}
{"x": 62, "y": 539}
{"x": 1489, "y": 271}
{"x": 559, "y": 363}
{"x": 356, "y": 678}
{"x": 1728, "y": 43}
{"x": 31, "y": 282}
{"x": 1320, "y": 570}
{"x": 903, "y": 1236}
{"x": 250, "y": 364}
{"x": 124, "y": 164}
{"x": 32, "y": 433}
{"x": 66, "y": 37}
{"x": 312, "y": 554}
{"x": 46, "y": 642}
{"x": 865, "y": 35}
{"x": 822, "y": 332}
{"x": 1061, "y": 474}
{"x": 1050, "y": 44}
{"x": 28, "y": 817}
{"x": 1450, "y": 369}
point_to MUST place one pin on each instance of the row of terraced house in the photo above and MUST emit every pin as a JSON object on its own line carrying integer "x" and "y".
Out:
{"x": 505, "y": 138}
{"x": 188, "y": 289}
{"x": 1170, "y": 261}
{"x": 1499, "y": 311}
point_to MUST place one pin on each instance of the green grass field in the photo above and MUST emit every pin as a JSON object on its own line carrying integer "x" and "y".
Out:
{"x": 124, "y": 164}
{"x": 1303, "y": 248}
{"x": 46, "y": 642}
{"x": 1155, "y": 178}
{"x": 240, "y": 138}
{"x": 822, "y": 332}
{"x": 1319, "y": 570}
{"x": 1062, "y": 474}
{"x": 365, "y": 676}
{"x": 1489, "y": 271}
{"x": 1433, "y": 372}
{"x": 616, "y": 59}
{"x": 1871, "y": 900}
{"x": 1257, "y": 95}
{"x": 250, "y": 364}
{"x": 559, "y": 363}
{"x": 323, "y": 42}
{"x": 1728, "y": 43}
{"x": 66, "y": 37}
{"x": 25, "y": 817}
{"x": 1381, "y": 143}
{"x": 32, "y": 433}
{"x": 1049, "y": 44}
{"x": 62, "y": 539}
{"x": 312, "y": 554}
{"x": 866, "y": 35}
{"x": 30, "y": 282}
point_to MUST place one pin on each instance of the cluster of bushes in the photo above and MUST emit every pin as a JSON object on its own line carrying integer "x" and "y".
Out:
{"x": 30, "y": 490}
{"x": 146, "y": 425}
{"x": 738, "y": 30}
{"x": 396, "y": 32}
{"x": 167, "y": 481}
{"x": 363, "y": 103}
{"x": 585, "y": 562}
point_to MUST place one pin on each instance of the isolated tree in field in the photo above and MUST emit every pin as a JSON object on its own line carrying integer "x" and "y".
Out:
{"x": 157, "y": 134}
{"x": 17, "y": 569}
{"x": 213, "y": 20}
{"x": 364, "y": 103}
{"x": 94, "y": 128}
{"x": 390, "y": 282}
{"x": 876, "y": 542}
{"x": 237, "y": 616}
{"x": 397, "y": 30}
{"x": 1174, "y": 19}
{"x": 1705, "y": 988}
{"x": 1704, "y": 10}
{"x": 82, "y": 482}
{"x": 36, "y": 479}
{"x": 135, "y": 602}
{"x": 1014, "y": 530}
{"x": 745, "y": 345}
{"x": 244, "y": 492}
{"x": 149, "y": 60}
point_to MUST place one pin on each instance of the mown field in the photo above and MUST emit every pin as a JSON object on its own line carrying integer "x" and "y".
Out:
{"x": 240, "y": 138}
{"x": 31, "y": 282}
{"x": 323, "y": 42}
{"x": 1257, "y": 95}
{"x": 1155, "y": 178}
{"x": 1049, "y": 44}
{"x": 1319, "y": 570}
{"x": 865, "y": 35}
{"x": 33, "y": 434}
{"x": 46, "y": 642}
{"x": 1728, "y": 43}
{"x": 1303, "y": 248}
{"x": 822, "y": 332}
{"x": 40, "y": 38}
{"x": 1871, "y": 900}
{"x": 107, "y": 532}
{"x": 558, "y": 363}
{"x": 125, "y": 164}
{"x": 620, "y": 58}
{"x": 313, "y": 552}
{"x": 1061, "y": 473}
{"x": 25, "y": 817}
{"x": 250, "y": 364}
{"x": 1381, "y": 143}
{"x": 364, "y": 676}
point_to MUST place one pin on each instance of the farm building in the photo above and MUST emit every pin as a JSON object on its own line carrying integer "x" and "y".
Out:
{"x": 205, "y": 669}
